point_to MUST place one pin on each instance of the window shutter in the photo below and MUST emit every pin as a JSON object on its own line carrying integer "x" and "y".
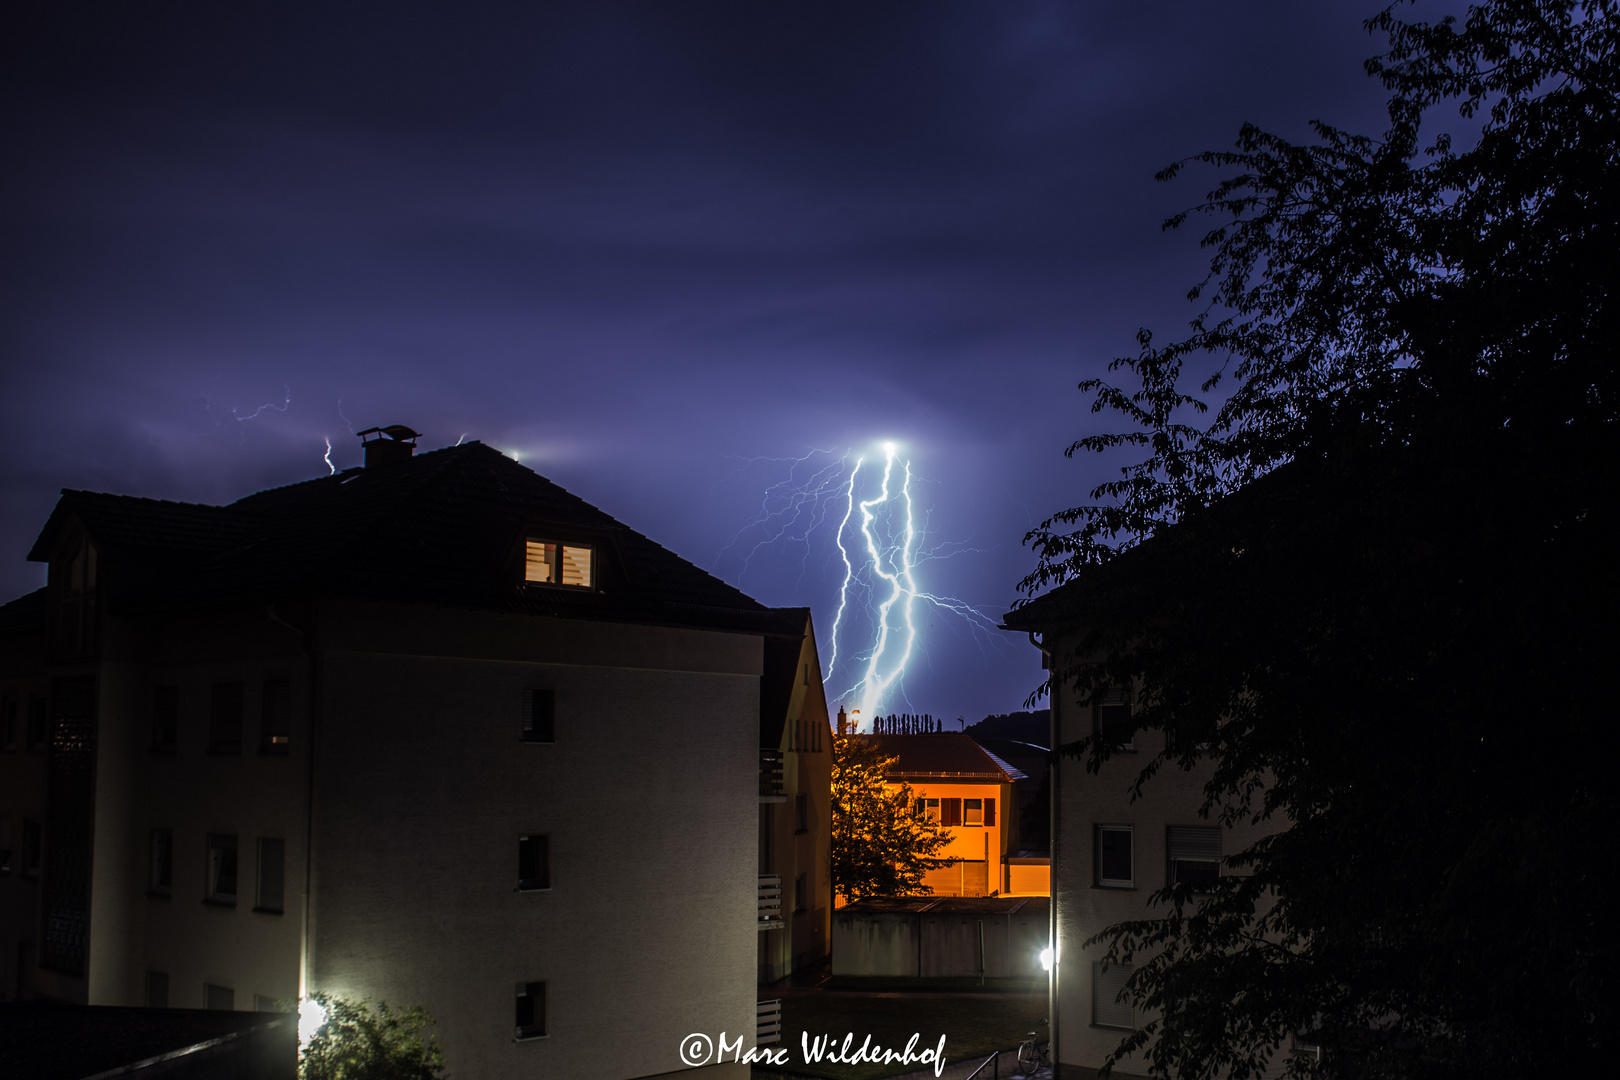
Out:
{"x": 950, "y": 811}
{"x": 1109, "y": 1007}
{"x": 989, "y": 811}
{"x": 1196, "y": 842}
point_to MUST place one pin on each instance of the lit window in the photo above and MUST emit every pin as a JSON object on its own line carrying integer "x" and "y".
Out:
{"x": 221, "y": 869}
{"x": 531, "y": 1010}
{"x": 973, "y": 811}
{"x": 929, "y": 808}
{"x": 546, "y": 563}
{"x": 1114, "y": 856}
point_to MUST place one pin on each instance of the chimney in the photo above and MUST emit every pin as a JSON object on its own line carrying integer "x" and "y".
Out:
{"x": 843, "y": 721}
{"x": 393, "y": 444}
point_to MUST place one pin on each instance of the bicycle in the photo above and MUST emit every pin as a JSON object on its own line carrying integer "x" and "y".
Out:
{"x": 1034, "y": 1054}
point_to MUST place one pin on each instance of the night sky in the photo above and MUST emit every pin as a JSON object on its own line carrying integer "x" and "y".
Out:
{"x": 657, "y": 250}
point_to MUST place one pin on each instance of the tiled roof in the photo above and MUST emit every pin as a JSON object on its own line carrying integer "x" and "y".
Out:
{"x": 444, "y": 527}
{"x": 947, "y": 755}
{"x": 27, "y": 612}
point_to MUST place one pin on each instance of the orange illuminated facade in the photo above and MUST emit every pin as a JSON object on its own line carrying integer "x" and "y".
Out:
{"x": 969, "y": 791}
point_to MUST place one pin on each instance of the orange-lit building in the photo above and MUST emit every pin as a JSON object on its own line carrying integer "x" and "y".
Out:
{"x": 968, "y": 790}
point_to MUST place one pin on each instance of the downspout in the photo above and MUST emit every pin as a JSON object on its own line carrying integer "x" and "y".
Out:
{"x": 312, "y": 655}
{"x": 1053, "y": 728}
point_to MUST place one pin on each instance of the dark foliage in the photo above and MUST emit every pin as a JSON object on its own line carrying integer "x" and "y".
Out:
{"x": 1377, "y": 579}
{"x": 1030, "y": 727}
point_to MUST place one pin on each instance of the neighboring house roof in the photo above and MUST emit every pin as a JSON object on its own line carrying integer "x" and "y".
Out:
{"x": 443, "y": 527}
{"x": 27, "y": 612}
{"x": 949, "y": 755}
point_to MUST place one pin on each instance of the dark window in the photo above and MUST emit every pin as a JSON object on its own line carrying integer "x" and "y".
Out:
{"x": 5, "y": 845}
{"x": 950, "y": 811}
{"x": 801, "y": 892}
{"x": 534, "y": 862}
{"x": 539, "y": 715}
{"x": 1110, "y": 1005}
{"x": 1195, "y": 854}
{"x": 161, "y": 873}
{"x": 531, "y": 1010}
{"x": 272, "y": 874}
{"x": 219, "y": 997}
{"x": 38, "y": 721}
{"x": 225, "y": 719}
{"x": 1111, "y": 713}
{"x": 221, "y": 869}
{"x": 165, "y": 718}
{"x": 275, "y": 727}
{"x": 31, "y": 846}
{"x": 1114, "y": 856}
{"x": 157, "y": 990}
{"x": 8, "y": 723}
{"x": 801, "y": 811}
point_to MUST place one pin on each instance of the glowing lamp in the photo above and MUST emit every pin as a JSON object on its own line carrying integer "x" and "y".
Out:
{"x": 311, "y": 1018}
{"x": 1046, "y": 959}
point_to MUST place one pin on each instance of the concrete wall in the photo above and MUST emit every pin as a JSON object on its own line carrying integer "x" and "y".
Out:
{"x": 1083, "y": 801}
{"x": 194, "y": 792}
{"x": 649, "y": 795}
{"x": 939, "y": 943}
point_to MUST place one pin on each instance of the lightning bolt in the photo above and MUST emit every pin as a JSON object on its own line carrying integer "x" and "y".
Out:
{"x": 875, "y": 683}
{"x": 877, "y": 543}
{"x": 331, "y": 468}
{"x": 849, "y": 568}
{"x": 277, "y": 408}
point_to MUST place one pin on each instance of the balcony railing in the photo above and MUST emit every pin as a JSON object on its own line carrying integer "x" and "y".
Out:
{"x": 770, "y": 775}
{"x": 770, "y": 901}
{"x": 768, "y": 1022}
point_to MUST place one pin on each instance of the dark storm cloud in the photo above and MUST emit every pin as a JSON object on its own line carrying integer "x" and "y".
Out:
{"x": 636, "y": 244}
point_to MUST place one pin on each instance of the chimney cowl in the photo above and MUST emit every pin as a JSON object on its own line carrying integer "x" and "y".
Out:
{"x": 393, "y": 444}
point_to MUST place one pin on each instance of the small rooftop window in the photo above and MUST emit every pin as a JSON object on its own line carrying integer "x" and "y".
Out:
{"x": 546, "y": 563}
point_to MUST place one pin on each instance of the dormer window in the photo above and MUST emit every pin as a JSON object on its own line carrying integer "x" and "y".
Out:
{"x": 548, "y": 563}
